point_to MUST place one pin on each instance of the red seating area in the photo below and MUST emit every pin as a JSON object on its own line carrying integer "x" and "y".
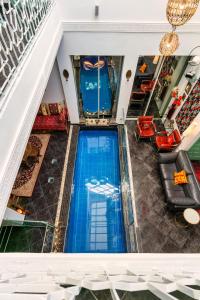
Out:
{"x": 196, "y": 167}
{"x": 52, "y": 122}
{"x": 145, "y": 127}
{"x": 167, "y": 142}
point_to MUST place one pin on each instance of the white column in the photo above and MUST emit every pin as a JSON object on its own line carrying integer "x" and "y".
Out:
{"x": 190, "y": 135}
{"x": 130, "y": 63}
{"x": 69, "y": 86}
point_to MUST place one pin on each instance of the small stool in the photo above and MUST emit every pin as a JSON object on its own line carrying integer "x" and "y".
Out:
{"x": 191, "y": 216}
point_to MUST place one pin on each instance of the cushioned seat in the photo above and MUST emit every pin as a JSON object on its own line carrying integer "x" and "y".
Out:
{"x": 168, "y": 170}
{"x": 183, "y": 163}
{"x": 173, "y": 190}
{"x": 192, "y": 189}
{"x": 182, "y": 196}
{"x": 182, "y": 202}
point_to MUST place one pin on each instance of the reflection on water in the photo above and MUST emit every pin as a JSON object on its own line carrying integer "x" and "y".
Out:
{"x": 102, "y": 187}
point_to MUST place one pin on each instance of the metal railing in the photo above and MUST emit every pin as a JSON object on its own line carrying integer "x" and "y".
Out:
{"x": 20, "y": 21}
{"x": 7, "y": 237}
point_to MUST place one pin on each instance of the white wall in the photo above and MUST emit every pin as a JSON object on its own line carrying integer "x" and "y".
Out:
{"x": 54, "y": 90}
{"x": 120, "y": 10}
{"x": 23, "y": 102}
{"x": 13, "y": 215}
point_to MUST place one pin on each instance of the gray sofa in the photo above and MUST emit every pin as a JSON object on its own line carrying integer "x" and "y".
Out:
{"x": 179, "y": 197}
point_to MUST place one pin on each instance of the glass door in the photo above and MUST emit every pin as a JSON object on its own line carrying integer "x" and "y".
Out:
{"x": 142, "y": 85}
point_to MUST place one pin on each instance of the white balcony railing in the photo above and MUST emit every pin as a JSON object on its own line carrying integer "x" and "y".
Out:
{"x": 20, "y": 21}
{"x": 117, "y": 277}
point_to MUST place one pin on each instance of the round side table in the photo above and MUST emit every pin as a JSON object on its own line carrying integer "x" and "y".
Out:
{"x": 191, "y": 216}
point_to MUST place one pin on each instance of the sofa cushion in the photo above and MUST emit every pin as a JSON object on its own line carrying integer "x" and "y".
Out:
{"x": 182, "y": 201}
{"x": 168, "y": 170}
{"x": 166, "y": 158}
{"x": 172, "y": 190}
{"x": 192, "y": 188}
{"x": 183, "y": 162}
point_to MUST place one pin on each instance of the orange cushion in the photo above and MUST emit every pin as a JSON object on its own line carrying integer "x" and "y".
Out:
{"x": 142, "y": 69}
{"x": 180, "y": 177}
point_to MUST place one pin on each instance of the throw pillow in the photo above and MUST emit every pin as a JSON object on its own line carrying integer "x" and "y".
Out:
{"x": 180, "y": 177}
{"x": 143, "y": 68}
{"x": 44, "y": 109}
{"x": 53, "y": 109}
{"x": 40, "y": 111}
{"x": 62, "y": 117}
{"x": 60, "y": 107}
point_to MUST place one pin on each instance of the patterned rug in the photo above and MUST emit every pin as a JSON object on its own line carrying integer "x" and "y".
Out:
{"x": 26, "y": 178}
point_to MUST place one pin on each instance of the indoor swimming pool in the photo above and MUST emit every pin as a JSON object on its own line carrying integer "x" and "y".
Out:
{"x": 94, "y": 83}
{"x": 96, "y": 217}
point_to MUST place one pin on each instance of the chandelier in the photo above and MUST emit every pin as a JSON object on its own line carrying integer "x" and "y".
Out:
{"x": 169, "y": 43}
{"x": 181, "y": 11}
{"x": 178, "y": 13}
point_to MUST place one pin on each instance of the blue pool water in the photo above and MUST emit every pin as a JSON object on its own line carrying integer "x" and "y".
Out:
{"x": 89, "y": 86}
{"x": 96, "y": 217}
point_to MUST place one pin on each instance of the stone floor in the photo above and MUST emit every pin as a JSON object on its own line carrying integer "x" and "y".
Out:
{"x": 43, "y": 203}
{"x": 157, "y": 230}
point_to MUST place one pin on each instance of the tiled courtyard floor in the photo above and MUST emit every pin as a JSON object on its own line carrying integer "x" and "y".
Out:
{"x": 158, "y": 231}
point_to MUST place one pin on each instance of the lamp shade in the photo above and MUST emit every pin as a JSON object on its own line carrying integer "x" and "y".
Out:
{"x": 169, "y": 43}
{"x": 181, "y": 11}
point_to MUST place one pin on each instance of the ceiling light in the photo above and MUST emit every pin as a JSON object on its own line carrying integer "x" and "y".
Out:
{"x": 181, "y": 11}
{"x": 169, "y": 43}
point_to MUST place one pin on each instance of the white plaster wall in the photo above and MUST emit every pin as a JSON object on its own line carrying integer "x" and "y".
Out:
{"x": 12, "y": 215}
{"x": 54, "y": 90}
{"x": 23, "y": 102}
{"x": 120, "y": 10}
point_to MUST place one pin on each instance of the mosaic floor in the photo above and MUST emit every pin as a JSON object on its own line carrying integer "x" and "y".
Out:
{"x": 158, "y": 231}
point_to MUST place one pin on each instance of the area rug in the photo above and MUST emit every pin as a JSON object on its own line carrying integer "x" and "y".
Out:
{"x": 196, "y": 167}
{"x": 26, "y": 190}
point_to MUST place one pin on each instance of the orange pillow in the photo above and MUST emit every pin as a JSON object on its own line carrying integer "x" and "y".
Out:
{"x": 142, "y": 69}
{"x": 180, "y": 177}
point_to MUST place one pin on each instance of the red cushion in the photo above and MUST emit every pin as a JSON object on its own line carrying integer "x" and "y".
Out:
{"x": 171, "y": 139}
{"x": 53, "y": 108}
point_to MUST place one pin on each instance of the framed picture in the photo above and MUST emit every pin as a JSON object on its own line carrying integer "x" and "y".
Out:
{"x": 188, "y": 88}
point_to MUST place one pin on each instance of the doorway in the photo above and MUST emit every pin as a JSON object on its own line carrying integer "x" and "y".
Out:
{"x": 155, "y": 78}
{"x": 97, "y": 84}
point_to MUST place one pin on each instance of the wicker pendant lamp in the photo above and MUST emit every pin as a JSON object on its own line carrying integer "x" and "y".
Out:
{"x": 181, "y": 11}
{"x": 178, "y": 13}
{"x": 169, "y": 43}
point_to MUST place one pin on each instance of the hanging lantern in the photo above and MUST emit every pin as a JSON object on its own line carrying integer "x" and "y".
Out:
{"x": 181, "y": 11}
{"x": 169, "y": 43}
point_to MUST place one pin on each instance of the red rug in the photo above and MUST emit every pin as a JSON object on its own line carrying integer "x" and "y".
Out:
{"x": 196, "y": 166}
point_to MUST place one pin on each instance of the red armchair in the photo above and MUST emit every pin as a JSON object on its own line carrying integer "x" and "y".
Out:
{"x": 145, "y": 127}
{"x": 147, "y": 85}
{"x": 167, "y": 142}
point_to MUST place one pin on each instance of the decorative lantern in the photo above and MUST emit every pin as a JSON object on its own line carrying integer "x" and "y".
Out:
{"x": 181, "y": 11}
{"x": 169, "y": 43}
